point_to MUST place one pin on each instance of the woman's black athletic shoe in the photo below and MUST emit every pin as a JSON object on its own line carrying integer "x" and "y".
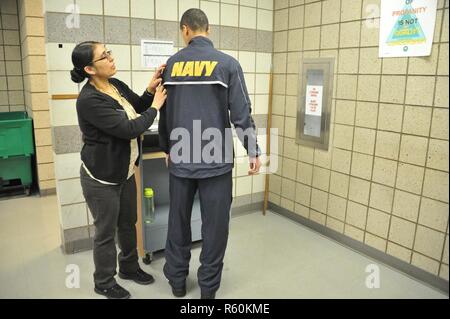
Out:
{"x": 139, "y": 277}
{"x": 115, "y": 292}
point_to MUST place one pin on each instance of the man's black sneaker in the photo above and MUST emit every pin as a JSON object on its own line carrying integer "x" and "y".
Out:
{"x": 178, "y": 291}
{"x": 115, "y": 292}
{"x": 140, "y": 277}
{"x": 210, "y": 295}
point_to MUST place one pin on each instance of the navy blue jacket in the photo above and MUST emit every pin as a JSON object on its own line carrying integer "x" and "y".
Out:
{"x": 204, "y": 86}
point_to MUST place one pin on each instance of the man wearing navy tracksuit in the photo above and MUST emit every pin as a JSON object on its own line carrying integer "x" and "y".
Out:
{"x": 205, "y": 91}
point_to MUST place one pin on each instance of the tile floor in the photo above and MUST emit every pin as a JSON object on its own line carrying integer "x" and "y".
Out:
{"x": 267, "y": 257}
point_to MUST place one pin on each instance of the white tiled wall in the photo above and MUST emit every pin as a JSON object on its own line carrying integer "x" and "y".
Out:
{"x": 247, "y": 61}
{"x": 11, "y": 72}
{"x": 60, "y": 83}
{"x": 251, "y": 3}
{"x": 247, "y": 18}
{"x": 56, "y": 5}
{"x": 265, "y": 20}
{"x": 69, "y": 191}
{"x": 212, "y": 10}
{"x": 166, "y": 10}
{"x": 117, "y": 8}
{"x": 124, "y": 76}
{"x": 232, "y": 53}
{"x": 243, "y": 185}
{"x": 261, "y": 104}
{"x": 242, "y": 167}
{"x": 266, "y": 4}
{"x": 379, "y": 182}
{"x": 229, "y": 15}
{"x": 121, "y": 55}
{"x": 185, "y": 5}
{"x": 74, "y": 216}
{"x": 67, "y": 165}
{"x": 141, "y": 81}
{"x": 259, "y": 182}
{"x": 90, "y": 6}
{"x": 262, "y": 83}
{"x": 64, "y": 54}
{"x": 63, "y": 113}
{"x": 144, "y": 9}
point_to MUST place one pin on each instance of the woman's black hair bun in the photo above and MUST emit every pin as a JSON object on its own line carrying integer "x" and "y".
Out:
{"x": 77, "y": 76}
{"x": 82, "y": 56}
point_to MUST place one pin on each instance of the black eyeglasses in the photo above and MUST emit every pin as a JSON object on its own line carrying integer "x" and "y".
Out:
{"x": 107, "y": 55}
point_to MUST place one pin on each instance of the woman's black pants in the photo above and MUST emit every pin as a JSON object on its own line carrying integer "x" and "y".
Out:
{"x": 114, "y": 209}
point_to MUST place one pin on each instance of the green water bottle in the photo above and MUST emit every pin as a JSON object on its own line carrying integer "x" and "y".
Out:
{"x": 149, "y": 205}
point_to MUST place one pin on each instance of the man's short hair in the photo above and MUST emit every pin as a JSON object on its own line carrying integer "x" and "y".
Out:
{"x": 195, "y": 19}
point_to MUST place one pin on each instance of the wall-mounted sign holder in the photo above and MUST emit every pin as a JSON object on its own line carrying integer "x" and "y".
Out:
{"x": 314, "y": 103}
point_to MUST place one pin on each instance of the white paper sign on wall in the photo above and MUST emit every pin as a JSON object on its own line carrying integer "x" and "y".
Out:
{"x": 155, "y": 52}
{"x": 407, "y": 27}
{"x": 313, "y": 104}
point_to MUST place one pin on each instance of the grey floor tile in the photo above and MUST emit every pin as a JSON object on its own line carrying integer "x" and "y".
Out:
{"x": 267, "y": 257}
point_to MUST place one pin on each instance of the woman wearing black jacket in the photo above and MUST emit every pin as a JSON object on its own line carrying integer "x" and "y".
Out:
{"x": 112, "y": 118}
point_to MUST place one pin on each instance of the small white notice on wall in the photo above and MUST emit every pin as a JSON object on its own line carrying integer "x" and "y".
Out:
{"x": 313, "y": 104}
{"x": 155, "y": 52}
{"x": 407, "y": 27}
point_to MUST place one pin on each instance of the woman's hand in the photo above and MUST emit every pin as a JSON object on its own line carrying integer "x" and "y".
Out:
{"x": 156, "y": 80}
{"x": 160, "y": 97}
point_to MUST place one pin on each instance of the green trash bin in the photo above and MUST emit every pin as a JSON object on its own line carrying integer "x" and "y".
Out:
{"x": 16, "y": 134}
{"x": 16, "y": 147}
{"x": 17, "y": 167}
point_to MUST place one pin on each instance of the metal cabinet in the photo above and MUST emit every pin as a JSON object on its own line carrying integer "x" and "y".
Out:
{"x": 154, "y": 174}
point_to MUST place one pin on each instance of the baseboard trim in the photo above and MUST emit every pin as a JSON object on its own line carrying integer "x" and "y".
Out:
{"x": 47, "y": 192}
{"x": 400, "y": 265}
{"x": 77, "y": 246}
{"x": 246, "y": 209}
